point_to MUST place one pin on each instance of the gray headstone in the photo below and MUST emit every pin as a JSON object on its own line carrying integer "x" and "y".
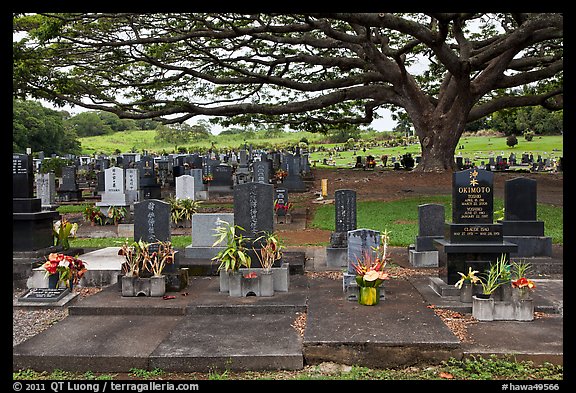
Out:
{"x": 204, "y": 225}
{"x": 361, "y": 242}
{"x": 261, "y": 171}
{"x": 431, "y": 220}
{"x": 131, "y": 184}
{"x": 46, "y": 188}
{"x": 430, "y": 226}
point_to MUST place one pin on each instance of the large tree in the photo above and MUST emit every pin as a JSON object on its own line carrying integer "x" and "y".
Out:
{"x": 312, "y": 71}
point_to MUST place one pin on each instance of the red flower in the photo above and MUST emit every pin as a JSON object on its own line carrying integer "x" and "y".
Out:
{"x": 523, "y": 282}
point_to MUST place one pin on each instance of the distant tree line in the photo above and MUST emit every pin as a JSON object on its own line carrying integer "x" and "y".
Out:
{"x": 57, "y": 132}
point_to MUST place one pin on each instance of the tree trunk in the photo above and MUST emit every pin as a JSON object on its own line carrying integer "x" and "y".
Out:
{"x": 439, "y": 136}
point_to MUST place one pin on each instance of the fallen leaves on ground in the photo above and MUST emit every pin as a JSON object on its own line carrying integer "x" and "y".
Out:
{"x": 456, "y": 322}
{"x": 300, "y": 323}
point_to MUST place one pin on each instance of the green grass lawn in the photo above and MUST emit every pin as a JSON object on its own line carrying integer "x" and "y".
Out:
{"x": 477, "y": 148}
{"x": 400, "y": 217}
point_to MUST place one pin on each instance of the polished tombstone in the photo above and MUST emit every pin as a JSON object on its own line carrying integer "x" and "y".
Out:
{"x": 472, "y": 239}
{"x": 254, "y": 212}
{"x": 204, "y": 231}
{"x": 152, "y": 224}
{"x": 31, "y": 227}
{"x": 68, "y": 190}
{"x": 150, "y": 188}
{"x": 345, "y": 220}
{"x": 520, "y": 224}
{"x": 293, "y": 182}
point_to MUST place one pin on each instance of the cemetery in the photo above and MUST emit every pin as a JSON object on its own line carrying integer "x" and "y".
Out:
{"x": 243, "y": 255}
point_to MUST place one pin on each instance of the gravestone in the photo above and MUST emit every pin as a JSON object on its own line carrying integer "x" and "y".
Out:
{"x": 293, "y": 181}
{"x": 430, "y": 227}
{"x": 254, "y": 212}
{"x": 261, "y": 172}
{"x": 361, "y": 242}
{"x": 149, "y": 186}
{"x": 200, "y": 189}
{"x": 222, "y": 183}
{"x": 472, "y": 239}
{"x": 68, "y": 190}
{"x": 185, "y": 187}
{"x": 204, "y": 227}
{"x": 521, "y": 225}
{"x": 345, "y": 220}
{"x": 31, "y": 227}
{"x": 132, "y": 185}
{"x": 254, "y": 208}
{"x": 152, "y": 224}
{"x": 114, "y": 193}
{"x": 46, "y": 190}
{"x": 281, "y": 212}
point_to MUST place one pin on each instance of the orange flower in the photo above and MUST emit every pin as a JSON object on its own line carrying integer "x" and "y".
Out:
{"x": 523, "y": 282}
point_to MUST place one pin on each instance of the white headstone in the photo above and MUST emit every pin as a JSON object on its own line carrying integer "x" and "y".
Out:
{"x": 185, "y": 187}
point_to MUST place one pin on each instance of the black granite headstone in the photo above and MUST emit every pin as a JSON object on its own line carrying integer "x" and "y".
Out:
{"x": 345, "y": 210}
{"x": 22, "y": 176}
{"x": 152, "y": 221}
{"x": 430, "y": 226}
{"x": 222, "y": 176}
{"x": 520, "y": 199}
{"x": 254, "y": 208}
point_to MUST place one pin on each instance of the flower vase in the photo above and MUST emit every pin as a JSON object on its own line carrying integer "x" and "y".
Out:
{"x": 466, "y": 292}
{"x": 53, "y": 281}
{"x": 368, "y": 296}
{"x": 483, "y": 307}
{"x": 157, "y": 286}
{"x": 235, "y": 283}
{"x": 524, "y": 309}
{"x": 266, "y": 283}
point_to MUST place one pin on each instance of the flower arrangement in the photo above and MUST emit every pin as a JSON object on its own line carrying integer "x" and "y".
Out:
{"x": 270, "y": 252}
{"x": 370, "y": 271}
{"x": 280, "y": 174}
{"x": 93, "y": 214}
{"x": 140, "y": 258}
{"x": 234, "y": 255}
{"x": 523, "y": 284}
{"x": 285, "y": 207}
{"x": 69, "y": 269}
{"x": 62, "y": 231}
{"x": 471, "y": 277}
{"x": 207, "y": 178}
{"x": 117, "y": 213}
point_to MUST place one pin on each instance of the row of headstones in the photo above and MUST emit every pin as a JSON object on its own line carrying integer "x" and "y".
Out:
{"x": 472, "y": 216}
{"x": 501, "y": 163}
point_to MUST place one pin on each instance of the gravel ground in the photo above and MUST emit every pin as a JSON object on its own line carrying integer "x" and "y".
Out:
{"x": 27, "y": 322}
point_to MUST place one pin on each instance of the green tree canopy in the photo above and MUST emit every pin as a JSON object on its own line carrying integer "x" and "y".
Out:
{"x": 41, "y": 129}
{"x": 311, "y": 71}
